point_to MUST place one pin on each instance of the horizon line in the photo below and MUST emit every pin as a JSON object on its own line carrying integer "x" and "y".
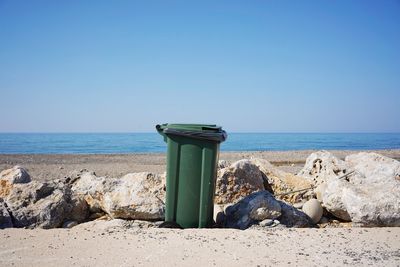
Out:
{"x": 233, "y": 132}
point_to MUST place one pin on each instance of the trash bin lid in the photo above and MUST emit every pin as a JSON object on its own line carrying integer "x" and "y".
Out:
{"x": 209, "y": 132}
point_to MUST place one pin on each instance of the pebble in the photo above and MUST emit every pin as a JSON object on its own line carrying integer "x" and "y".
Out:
{"x": 313, "y": 209}
{"x": 266, "y": 222}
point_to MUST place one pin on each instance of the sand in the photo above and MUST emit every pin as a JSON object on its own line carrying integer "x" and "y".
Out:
{"x": 92, "y": 244}
{"x": 48, "y": 167}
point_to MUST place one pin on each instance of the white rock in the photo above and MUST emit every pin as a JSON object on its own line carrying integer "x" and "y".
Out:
{"x": 37, "y": 204}
{"x": 9, "y": 177}
{"x": 320, "y": 190}
{"x": 372, "y": 168}
{"x": 321, "y": 166}
{"x": 267, "y": 222}
{"x": 368, "y": 197}
{"x": 134, "y": 196}
{"x": 313, "y": 209}
{"x": 373, "y": 205}
{"x": 237, "y": 181}
{"x": 332, "y": 198}
{"x": 15, "y": 175}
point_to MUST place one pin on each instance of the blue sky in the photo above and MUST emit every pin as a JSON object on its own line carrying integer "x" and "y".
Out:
{"x": 250, "y": 66}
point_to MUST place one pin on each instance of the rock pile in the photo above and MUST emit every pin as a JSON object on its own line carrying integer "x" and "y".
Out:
{"x": 368, "y": 196}
{"x": 26, "y": 203}
{"x": 246, "y": 176}
{"x": 363, "y": 189}
{"x": 262, "y": 208}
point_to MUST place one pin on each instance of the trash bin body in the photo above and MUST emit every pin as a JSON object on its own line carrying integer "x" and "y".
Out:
{"x": 192, "y": 158}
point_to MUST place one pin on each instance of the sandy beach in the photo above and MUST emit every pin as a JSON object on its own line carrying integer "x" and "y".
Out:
{"x": 116, "y": 243}
{"x": 98, "y": 246}
{"x": 48, "y": 167}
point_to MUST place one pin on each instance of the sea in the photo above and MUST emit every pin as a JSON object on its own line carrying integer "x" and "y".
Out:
{"x": 115, "y": 143}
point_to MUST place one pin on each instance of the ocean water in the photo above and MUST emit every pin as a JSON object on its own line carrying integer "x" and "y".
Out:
{"x": 105, "y": 143}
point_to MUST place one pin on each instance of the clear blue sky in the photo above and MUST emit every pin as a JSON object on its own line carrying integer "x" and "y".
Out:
{"x": 251, "y": 66}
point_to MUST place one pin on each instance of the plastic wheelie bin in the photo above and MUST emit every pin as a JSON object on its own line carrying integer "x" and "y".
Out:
{"x": 192, "y": 156}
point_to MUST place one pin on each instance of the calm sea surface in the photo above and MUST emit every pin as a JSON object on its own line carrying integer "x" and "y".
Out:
{"x": 81, "y": 143}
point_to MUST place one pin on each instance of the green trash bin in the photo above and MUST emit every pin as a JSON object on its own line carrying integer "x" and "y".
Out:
{"x": 192, "y": 158}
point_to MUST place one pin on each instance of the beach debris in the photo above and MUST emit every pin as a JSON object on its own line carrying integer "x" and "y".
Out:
{"x": 133, "y": 196}
{"x": 238, "y": 181}
{"x": 313, "y": 209}
{"x": 9, "y": 177}
{"x": 5, "y": 218}
{"x": 260, "y": 206}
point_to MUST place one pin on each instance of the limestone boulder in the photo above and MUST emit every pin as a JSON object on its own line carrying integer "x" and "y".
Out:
{"x": 322, "y": 166}
{"x": 332, "y": 198}
{"x": 9, "y": 177}
{"x": 37, "y": 204}
{"x": 238, "y": 181}
{"x": 91, "y": 188}
{"x": 373, "y": 205}
{"x": 133, "y": 196}
{"x": 280, "y": 182}
{"x": 369, "y": 196}
{"x": 372, "y": 168}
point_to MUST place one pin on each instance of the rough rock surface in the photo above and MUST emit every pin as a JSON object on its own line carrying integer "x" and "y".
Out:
{"x": 372, "y": 168}
{"x": 223, "y": 164}
{"x": 374, "y": 197}
{"x": 292, "y": 217}
{"x": 332, "y": 198}
{"x": 279, "y": 182}
{"x": 260, "y": 206}
{"x": 237, "y": 181}
{"x": 313, "y": 209}
{"x": 321, "y": 166}
{"x": 9, "y": 177}
{"x": 134, "y": 196}
{"x": 368, "y": 197}
{"x": 5, "y": 218}
{"x": 37, "y": 204}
